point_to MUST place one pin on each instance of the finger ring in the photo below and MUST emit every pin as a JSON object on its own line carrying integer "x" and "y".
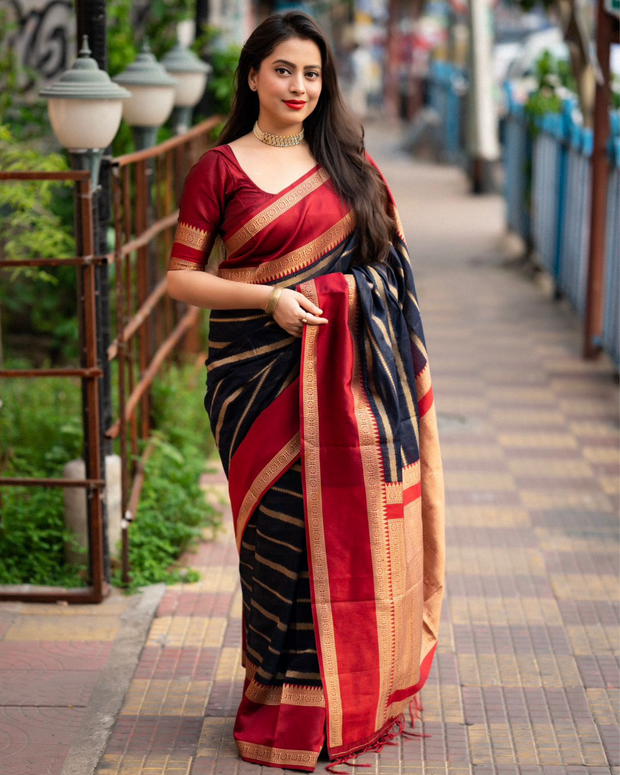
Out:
{"x": 304, "y": 320}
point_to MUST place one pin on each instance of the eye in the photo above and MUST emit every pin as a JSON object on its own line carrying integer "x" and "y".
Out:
{"x": 312, "y": 72}
{"x": 282, "y": 69}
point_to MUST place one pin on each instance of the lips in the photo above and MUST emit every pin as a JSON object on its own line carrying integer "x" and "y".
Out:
{"x": 295, "y": 104}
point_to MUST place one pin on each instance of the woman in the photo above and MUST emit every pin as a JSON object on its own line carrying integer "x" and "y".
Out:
{"x": 320, "y": 401}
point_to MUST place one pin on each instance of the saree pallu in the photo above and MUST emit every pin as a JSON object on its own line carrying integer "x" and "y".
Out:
{"x": 331, "y": 450}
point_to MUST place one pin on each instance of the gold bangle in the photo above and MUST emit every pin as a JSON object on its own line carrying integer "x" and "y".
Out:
{"x": 273, "y": 300}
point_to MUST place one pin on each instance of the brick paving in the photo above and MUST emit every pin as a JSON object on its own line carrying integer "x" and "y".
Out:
{"x": 526, "y": 677}
{"x": 51, "y": 657}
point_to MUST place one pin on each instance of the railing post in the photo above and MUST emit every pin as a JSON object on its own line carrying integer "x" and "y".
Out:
{"x": 593, "y": 328}
{"x": 89, "y": 322}
{"x": 611, "y": 316}
{"x": 142, "y": 287}
{"x": 562, "y": 135}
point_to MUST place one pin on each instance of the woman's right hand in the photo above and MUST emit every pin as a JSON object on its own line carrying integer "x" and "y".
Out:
{"x": 292, "y": 306}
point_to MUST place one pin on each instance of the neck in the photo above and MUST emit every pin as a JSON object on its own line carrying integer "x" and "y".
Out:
{"x": 275, "y": 127}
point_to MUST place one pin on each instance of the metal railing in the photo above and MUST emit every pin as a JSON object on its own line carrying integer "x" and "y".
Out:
{"x": 85, "y": 264}
{"x": 556, "y": 218}
{"x": 574, "y": 221}
{"x": 447, "y": 89}
{"x": 149, "y": 327}
{"x": 146, "y": 188}
{"x": 517, "y": 169}
{"x": 611, "y": 316}
{"x": 548, "y": 190}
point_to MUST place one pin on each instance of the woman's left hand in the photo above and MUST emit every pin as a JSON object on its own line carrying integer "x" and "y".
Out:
{"x": 292, "y": 308}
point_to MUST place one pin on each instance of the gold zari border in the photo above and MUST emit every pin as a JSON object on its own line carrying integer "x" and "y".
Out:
{"x": 316, "y": 532}
{"x": 282, "y": 756}
{"x": 395, "y": 215}
{"x": 295, "y": 260}
{"x": 394, "y": 491}
{"x": 423, "y": 381}
{"x": 191, "y": 236}
{"x": 182, "y": 263}
{"x": 275, "y": 466}
{"x": 287, "y": 694}
{"x": 280, "y": 206}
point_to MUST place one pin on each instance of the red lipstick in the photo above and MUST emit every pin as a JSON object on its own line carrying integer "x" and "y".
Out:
{"x": 294, "y": 104}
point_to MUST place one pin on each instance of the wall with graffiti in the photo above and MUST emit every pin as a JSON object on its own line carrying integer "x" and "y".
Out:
{"x": 42, "y": 35}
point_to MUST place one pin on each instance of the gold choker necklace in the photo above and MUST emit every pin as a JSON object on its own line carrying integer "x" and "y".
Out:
{"x": 279, "y": 140}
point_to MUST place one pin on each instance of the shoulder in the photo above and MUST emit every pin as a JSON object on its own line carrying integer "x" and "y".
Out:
{"x": 213, "y": 160}
{"x": 212, "y": 171}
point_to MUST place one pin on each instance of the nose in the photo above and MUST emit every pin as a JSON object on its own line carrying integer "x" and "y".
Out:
{"x": 297, "y": 84}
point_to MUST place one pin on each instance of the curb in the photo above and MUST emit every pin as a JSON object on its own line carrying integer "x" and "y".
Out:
{"x": 109, "y": 691}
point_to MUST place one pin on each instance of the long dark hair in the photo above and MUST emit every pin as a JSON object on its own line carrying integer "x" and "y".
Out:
{"x": 334, "y": 134}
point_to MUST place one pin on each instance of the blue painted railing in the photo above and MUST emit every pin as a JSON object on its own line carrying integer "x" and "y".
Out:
{"x": 447, "y": 86}
{"x": 556, "y": 218}
{"x": 517, "y": 166}
{"x": 611, "y": 319}
{"x": 574, "y": 216}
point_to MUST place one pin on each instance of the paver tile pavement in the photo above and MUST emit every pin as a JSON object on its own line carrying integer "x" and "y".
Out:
{"x": 526, "y": 674}
{"x": 525, "y": 679}
{"x": 60, "y": 667}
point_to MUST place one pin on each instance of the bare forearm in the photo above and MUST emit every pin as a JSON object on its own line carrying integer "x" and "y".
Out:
{"x": 204, "y": 289}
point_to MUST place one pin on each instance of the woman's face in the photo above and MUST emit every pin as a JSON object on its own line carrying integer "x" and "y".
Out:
{"x": 288, "y": 82}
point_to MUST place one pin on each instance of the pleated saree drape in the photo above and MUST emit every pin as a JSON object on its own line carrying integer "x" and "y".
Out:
{"x": 331, "y": 450}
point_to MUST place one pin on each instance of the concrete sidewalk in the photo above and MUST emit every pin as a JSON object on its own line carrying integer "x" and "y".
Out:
{"x": 526, "y": 676}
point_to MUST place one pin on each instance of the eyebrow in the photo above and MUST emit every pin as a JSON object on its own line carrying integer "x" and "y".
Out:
{"x": 290, "y": 64}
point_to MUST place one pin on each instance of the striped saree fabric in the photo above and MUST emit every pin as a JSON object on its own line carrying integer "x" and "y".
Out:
{"x": 331, "y": 450}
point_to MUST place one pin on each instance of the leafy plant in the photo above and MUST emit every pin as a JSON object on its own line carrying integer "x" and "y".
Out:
{"x": 615, "y": 91}
{"x": 25, "y": 121}
{"x": 33, "y": 537}
{"x": 36, "y": 222}
{"x": 40, "y": 430}
{"x": 40, "y": 427}
{"x": 551, "y": 75}
{"x": 172, "y": 512}
{"x": 30, "y": 228}
{"x": 171, "y": 515}
{"x": 224, "y": 60}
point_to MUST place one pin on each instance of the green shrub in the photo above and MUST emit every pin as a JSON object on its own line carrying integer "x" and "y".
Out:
{"x": 551, "y": 74}
{"x": 172, "y": 512}
{"x": 33, "y": 537}
{"x": 40, "y": 428}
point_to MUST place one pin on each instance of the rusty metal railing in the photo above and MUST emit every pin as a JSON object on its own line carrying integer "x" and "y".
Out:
{"x": 85, "y": 264}
{"x": 150, "y": 328}
{"x": 150, "y": 325}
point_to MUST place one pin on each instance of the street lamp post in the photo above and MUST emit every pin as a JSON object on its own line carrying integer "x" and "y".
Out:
{"x": 85, "y": 108}
{"x": 152, "y": 96}
{"x": 150, "y": 105}
{"x": 191, "y": 74}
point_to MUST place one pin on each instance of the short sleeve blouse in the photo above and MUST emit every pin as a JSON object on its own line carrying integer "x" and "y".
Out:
{"x": 201, "y": 212}
{"x": 217, "y": 197}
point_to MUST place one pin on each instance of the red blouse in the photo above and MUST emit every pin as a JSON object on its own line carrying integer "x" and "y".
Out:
{"x": 218, "y": 199}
